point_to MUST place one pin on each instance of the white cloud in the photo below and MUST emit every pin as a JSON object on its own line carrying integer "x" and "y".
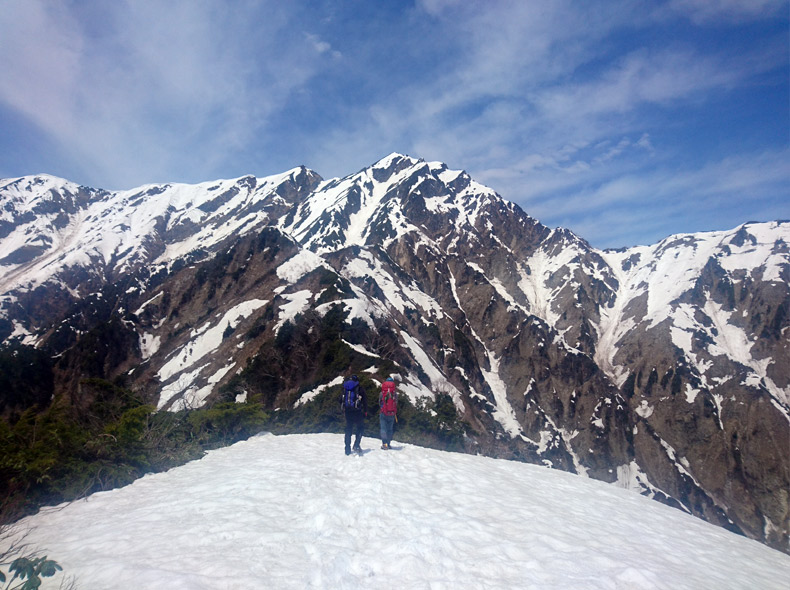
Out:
{"x": 640, "y": 78}
{"x": 322, "y": 46}
{"x": 155, "y": 87}
{"x": 40, "y": 53}
{"x": 645, "y": 207}
{"x": 437, "y": 7}
{"x": 707, "y": 11}
{"x": 534, "y": 77}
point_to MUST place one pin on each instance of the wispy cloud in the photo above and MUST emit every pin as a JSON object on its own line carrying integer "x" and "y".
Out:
{"x": 647, "y": 206}
{"x": 137, "y": 93}
{"x": 705, "y": 11}
{"x": 535, "y": 76}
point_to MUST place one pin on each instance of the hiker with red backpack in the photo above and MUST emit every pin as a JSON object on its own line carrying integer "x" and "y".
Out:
{"x": 388, "y": 411}
{"x": 355, "y": 407}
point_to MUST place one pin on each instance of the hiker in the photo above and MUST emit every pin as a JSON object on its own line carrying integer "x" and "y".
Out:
{"x": 355, "y": 407}
{"x": 388, "y": 411}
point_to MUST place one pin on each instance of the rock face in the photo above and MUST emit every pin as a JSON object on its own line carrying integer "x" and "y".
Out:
{"x": 663, "y": 368}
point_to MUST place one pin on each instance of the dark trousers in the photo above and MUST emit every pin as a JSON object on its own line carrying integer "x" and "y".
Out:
{"x": 355, "y": 423}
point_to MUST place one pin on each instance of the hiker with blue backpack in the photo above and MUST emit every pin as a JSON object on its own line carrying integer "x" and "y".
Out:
{"x": 388, "y": 412}
{"x": 355, "y": 407}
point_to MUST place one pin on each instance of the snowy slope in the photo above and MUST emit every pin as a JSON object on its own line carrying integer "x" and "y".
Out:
{"x": 48, "y": 225}
{"x": 294, "y": 512}
{"x": 663, "y": 273}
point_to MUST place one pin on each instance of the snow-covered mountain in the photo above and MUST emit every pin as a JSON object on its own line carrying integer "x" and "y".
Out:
{"x": 662, "y": 368}
{"x": 295, "y": 512}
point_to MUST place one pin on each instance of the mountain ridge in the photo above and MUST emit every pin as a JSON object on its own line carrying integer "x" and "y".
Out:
{"x": 632, "y": 366}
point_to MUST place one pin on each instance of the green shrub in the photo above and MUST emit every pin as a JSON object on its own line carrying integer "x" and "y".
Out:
{"x": 25, "y": 377}
{"x": 57, "y": 455}
{"x": 430, "y": 423}
{"x": 29, "y": 571}
{"x": 227, "y": 422}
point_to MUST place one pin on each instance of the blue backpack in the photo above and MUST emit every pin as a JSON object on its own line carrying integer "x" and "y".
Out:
{"x": 350, "y": 395}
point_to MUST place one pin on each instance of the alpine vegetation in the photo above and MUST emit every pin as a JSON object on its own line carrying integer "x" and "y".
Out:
{"x": 243, "y": 303}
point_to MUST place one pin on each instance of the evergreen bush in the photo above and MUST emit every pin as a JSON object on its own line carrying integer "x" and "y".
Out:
{"x": 60, "y": 455}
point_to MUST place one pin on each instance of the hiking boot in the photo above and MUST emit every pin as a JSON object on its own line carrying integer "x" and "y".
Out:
{"x": 357, "y": 448}
{"x": 348, "y": 451}
{"x": 384, "y": 446}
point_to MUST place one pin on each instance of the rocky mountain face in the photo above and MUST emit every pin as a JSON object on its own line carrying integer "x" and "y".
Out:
{"x": 663, "y": 368}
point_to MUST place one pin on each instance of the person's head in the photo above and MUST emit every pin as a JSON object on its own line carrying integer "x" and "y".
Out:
{"x": 354, "y": 378}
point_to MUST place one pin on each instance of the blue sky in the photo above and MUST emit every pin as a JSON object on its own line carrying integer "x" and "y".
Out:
{"x": 624, "y": 121}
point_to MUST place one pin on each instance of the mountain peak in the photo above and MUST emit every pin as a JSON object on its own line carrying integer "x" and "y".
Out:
{"x": 394, "y": 158}
{"x": 38, "y": 183}
{"x": 388, "y": 166}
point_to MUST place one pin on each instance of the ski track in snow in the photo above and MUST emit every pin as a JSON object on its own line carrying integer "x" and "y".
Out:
{"x": 295, "y": 512}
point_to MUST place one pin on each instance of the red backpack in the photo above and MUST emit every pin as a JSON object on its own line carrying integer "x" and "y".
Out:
{"x": 389, "y": 399}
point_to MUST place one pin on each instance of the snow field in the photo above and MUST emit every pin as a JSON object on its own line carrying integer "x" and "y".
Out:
{"x": 205, "y": 340}
{"x": 295, "y": 512}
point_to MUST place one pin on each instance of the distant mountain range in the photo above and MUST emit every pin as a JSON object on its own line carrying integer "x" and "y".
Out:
{"x": 663, "y": 368}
